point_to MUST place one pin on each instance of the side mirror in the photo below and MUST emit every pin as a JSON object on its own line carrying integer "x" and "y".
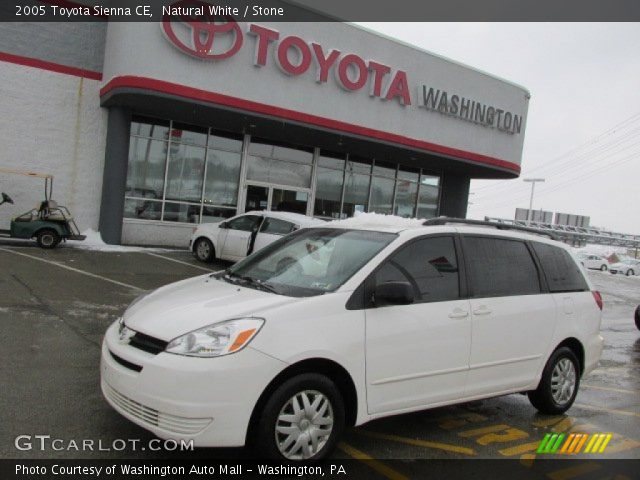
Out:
{"x": 222, "y": 225}
{"x": 394, "y": 293}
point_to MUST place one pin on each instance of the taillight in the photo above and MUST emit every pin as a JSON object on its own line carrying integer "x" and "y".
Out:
{"x": 598, "y": 298}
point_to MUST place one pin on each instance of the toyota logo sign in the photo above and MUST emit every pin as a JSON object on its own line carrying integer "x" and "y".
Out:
{"x": 202, "y": 36}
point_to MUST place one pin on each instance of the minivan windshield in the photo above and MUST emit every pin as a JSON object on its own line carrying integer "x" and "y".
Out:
{"x": 308, "y": 262}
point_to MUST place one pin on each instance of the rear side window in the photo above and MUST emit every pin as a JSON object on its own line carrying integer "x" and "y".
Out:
{"x": 560, "y": 270}
{"x": 275, "y": 226}
{"x": 429, "y": 265}
{"x": 500, "y": 267}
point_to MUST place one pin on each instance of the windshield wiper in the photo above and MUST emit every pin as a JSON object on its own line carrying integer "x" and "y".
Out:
{"x": 258, "y": 284}
{"x": 249, "y": 281}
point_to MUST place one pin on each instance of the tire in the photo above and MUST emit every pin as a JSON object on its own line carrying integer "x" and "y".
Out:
{"x": 563, "y": 365}
{"x": 630, "y": 273}
{"x": 279, "y": 411}
{"x": 637, "y": 315}
{"x": 603, "y": 268}
{"x": 48, "y": 238}
{"x": 203, "y": 250}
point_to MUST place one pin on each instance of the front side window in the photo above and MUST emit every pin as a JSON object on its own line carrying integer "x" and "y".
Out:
{"x": 500, "y": 267}
{"x": 430, "y": 265}
{"x": 246, "y": 223}
{"x": 561, "y": 272}
{"x": 275, "y": 226}
{"x": 310, "y": 261}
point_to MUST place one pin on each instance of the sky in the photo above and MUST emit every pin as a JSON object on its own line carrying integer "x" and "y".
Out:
{"x": 583, "y": 125}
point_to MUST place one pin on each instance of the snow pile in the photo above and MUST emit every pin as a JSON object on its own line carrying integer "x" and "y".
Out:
{"x": 94, "y": 242}
{"x": 603, "y": 250}
{"x": 377, "y": 220}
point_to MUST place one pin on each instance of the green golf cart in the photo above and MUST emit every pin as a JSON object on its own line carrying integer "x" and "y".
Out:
{"x": 49, "y": 223}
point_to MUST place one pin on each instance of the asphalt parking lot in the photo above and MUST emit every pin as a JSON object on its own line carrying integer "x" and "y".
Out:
{"x": 55, "y": 306}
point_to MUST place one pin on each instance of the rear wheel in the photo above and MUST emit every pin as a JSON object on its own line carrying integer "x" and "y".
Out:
{"x": 603, "y": 268}
{"x": 203, "y": 250}
{"x": 47, "y": 238}
{"x": 302, "y": 420}
{"x": 638, "y": 317}
{"x": 559, "y": 383}
{"x": 630, "y": 272}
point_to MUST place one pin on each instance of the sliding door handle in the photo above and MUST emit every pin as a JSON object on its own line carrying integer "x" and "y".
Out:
{"x": 459, "y": 313}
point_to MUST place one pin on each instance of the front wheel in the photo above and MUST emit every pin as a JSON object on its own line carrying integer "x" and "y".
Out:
{"x": 638, "y": 317}
{"x": 47, "y": 238}
{"x": 203, "y": 250}
{"x": 630, "y": 273}
{"x": 559, "y": 384}
{"x": 603, "y": 268}
{"x": 302, "y": 420}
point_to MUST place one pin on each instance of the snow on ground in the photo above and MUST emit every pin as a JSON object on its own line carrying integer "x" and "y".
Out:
{"x": 372, "y": 219}
{"x": 94, "y": 242}
{"x": 604, "y": 250}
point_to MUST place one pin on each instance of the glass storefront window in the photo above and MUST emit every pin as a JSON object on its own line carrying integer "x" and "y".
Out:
{"x": 271, "y": 170}
{"x": 185, "y": 173}
{"x": 406, "y": 196}
{"x": 142, "y": 209}
{"x": 289, "y": 201}
{"x": 145, "y": 172}
{"x": 264, "y": 148}
{"x": 358, "y": 165}
{"x": 328, "y": 193}
{"x": 188, "y": 134}
{"x": 223, "y": 177}
{"x": 328, "y": 161}
{"x": 216, "y": 214}
{"x": 381, "y": 195}
{"x": 181, "y": 212}
{"x": 413, "y": 175}
{"x": 356, "y": 193}
{"x": 384, "y": 170}
{"x": 224, "y": 141}
{"x": 428, "y": 197}
{"x": 153, "y": 128}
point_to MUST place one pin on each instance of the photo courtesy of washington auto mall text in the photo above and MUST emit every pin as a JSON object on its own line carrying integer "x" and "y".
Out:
{"x": 320, "y": 238}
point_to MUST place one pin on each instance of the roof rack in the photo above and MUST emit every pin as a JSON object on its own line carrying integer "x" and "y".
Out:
{"x": 499, "y": 226}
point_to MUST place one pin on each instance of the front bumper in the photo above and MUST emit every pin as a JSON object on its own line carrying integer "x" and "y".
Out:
{"x": 207, "y": 400}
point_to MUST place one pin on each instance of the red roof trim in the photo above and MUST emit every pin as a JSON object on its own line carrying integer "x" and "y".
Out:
{"x": 191, "y": 93}
{"x": 50, "y": 66}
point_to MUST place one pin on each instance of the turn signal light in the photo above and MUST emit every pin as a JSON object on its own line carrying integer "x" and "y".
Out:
{"x": 598, "y": 298}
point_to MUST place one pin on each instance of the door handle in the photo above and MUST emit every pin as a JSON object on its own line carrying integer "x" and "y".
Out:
{"x": 482, "y": 310}
{"x": 459, "y": 313}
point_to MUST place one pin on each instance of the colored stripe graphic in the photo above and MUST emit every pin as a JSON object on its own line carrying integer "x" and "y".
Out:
{"x": 550, "y": 443}
{"x": 598, "y": 443}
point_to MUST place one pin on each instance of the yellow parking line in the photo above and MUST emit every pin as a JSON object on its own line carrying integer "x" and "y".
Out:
{"x": 371, "y": 462}
{"x": 481, "y": 431}
{"x": 520, "y": 449}
{"x": 609, "y": 410}
{"x": 418, "y": 443}
{"x": 609, "y": 389}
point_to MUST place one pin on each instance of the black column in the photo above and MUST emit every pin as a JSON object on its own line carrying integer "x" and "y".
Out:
{"x": 455, "y": 195}
{"x": 114, "y": 178}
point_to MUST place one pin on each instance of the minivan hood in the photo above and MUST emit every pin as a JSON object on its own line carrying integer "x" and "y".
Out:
{"x": 182, "y": 307}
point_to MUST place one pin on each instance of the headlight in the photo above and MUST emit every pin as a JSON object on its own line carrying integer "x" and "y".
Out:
{"x": 218, "y": 339}
{"x": 124, "y": 333}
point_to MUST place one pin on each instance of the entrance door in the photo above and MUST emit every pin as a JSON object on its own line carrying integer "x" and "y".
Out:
{"x": 277, "y": 199}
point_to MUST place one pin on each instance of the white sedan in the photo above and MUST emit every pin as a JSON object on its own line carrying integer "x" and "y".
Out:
{"x": 592, "y": 261}
{"x": 238, "y": 237}
{"x": 626, "y": 267}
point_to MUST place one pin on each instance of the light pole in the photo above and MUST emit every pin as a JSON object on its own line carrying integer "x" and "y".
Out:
{"x": 533, "y": 186}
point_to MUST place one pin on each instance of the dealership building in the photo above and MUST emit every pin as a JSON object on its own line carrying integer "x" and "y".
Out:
{"x": 152, "y": 127}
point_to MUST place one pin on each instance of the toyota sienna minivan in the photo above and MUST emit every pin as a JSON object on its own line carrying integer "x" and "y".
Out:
{"x": 337, "y": 325}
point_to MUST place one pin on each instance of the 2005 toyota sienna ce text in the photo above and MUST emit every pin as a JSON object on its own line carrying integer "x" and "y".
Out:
{"x": 337, "y": 325}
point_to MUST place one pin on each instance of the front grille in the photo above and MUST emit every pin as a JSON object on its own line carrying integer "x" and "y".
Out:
{"x": 125, "y": 363}
{"x": 148, "y": 343}
{"x": 150, "y": 416}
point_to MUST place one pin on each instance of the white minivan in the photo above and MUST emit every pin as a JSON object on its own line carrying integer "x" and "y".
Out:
{"x": 337, "y": 325}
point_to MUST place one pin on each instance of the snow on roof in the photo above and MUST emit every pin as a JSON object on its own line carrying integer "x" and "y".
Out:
{"x": 376, "y": 221}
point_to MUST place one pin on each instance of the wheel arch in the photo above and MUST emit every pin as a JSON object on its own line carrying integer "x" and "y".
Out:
{"x": 576, "y": 347}
{"x": 333, "y": 370}
{"x": 54, "y": 227}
